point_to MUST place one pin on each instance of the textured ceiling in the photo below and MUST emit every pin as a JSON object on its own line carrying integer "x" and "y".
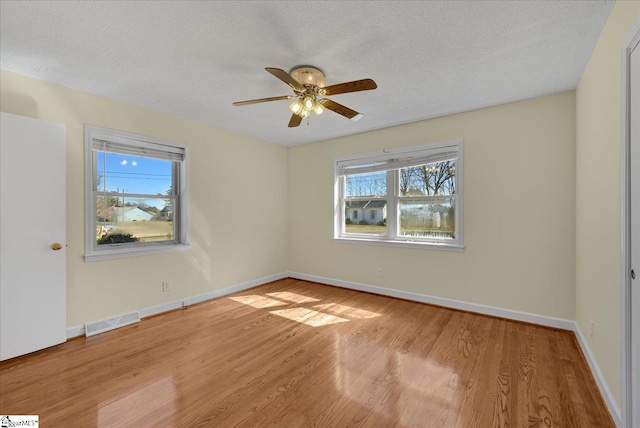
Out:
{"x": 194, "y": 58}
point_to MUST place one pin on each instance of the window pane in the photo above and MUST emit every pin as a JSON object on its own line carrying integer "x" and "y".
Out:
{"x": 428, "y": 219}
{"x": 369, "y": 184}
{"x": 132, "y": 174}
{"x": 433, "y": 179}
{"x": 121, "y": 220}
{"x": 369, "y": 217}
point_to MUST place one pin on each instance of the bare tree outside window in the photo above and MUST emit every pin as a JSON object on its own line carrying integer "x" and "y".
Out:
{"x": 370, "y": 184}
{"x": 433, "y": 179}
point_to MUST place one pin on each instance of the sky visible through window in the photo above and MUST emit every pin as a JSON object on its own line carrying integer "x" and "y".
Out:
{"x": 134, "y": 174}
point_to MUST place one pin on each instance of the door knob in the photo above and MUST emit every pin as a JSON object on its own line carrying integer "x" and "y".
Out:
{"x": 56, "y": 246}
{"x": 633, "y": 274}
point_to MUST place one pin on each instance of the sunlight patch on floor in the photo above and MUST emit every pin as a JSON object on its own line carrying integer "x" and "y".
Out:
{"x": 337, "y": 313}
{"x": 258, "y": 301}
{"x": 292, "y": 297}
{"x": 309, "y": 317}
{"x": 349, "y": 311}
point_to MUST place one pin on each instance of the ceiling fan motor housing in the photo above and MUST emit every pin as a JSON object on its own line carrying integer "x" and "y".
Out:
{"x": 307, "y": 75}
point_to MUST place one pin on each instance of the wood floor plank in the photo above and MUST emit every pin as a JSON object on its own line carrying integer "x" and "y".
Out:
{"x": 298, "y": 354}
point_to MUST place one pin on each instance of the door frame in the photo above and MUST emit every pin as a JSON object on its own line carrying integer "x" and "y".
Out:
{"x": 630, "y": 40}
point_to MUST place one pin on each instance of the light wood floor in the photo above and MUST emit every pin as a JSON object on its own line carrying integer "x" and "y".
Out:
{"x": 299, "y": 354}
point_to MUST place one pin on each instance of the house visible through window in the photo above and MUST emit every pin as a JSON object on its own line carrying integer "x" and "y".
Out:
{"x": 136, "y": 194}
{"x": 412, "y": 196}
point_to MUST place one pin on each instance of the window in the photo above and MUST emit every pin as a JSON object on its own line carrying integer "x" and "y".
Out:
{"x": 136, "y": 196}
{"x": 416, "y": 190}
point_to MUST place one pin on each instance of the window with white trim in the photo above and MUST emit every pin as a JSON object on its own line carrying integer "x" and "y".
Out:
{"x": 417, "y": 190}
{"x": 136, "y": 195}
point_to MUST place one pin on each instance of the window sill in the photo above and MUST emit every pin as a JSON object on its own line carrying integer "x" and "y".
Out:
{"x": 401, "y": 244}
{"x": 121, "y": 253}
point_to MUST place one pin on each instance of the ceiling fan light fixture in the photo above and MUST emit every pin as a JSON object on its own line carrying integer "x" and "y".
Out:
{"x": 296, "y": 106}
{"x": 304, "y": 105}
{"x": 308, "y": 102}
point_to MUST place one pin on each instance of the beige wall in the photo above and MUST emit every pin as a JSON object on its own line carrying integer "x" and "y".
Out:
{"x": 235, "y": 238}
{"x": 519, "y": 210}
{"x": 598, "y": 175}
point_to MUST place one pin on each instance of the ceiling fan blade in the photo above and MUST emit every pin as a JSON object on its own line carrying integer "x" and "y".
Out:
{"x": 355, "y": 86}
{"x": 286, "y": 78}
{"x": 263, "y": 100}
{"x": 341, "y": 110}
{"x": 295, "y": 121}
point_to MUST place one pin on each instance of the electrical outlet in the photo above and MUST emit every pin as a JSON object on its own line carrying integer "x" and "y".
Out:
{"x": 166, "y": 286}
{"x": 592, "y": 329}
{"x": 380, "y": 272}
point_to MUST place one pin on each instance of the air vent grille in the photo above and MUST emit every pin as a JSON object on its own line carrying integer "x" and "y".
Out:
{"x": 101, "y": 326}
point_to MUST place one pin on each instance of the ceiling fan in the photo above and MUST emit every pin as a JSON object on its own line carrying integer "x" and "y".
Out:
{"x": 308, "y": 87}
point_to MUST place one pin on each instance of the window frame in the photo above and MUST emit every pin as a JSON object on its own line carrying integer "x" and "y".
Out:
{"x": 95, "y": 252}
{"x": 393, "y": 198}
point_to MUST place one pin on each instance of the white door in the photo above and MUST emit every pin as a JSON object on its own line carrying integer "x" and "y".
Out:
{"x": 634, "y": 115}
{"x": 32, "y": 218}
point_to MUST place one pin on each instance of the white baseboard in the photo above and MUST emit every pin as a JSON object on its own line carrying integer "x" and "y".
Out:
{"x": 560, "y": 323}
{"x": 613, "y": 407}
{"x": 76, "y": 331}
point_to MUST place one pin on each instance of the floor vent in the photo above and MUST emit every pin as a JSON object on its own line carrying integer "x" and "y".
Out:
{"x": 97, "y": 327}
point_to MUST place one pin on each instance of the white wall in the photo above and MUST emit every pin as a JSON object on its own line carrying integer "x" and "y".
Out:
{"x": 598, "y": 203}
{"x": 238, "y": 204}
{"x": 518, "y": 216}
